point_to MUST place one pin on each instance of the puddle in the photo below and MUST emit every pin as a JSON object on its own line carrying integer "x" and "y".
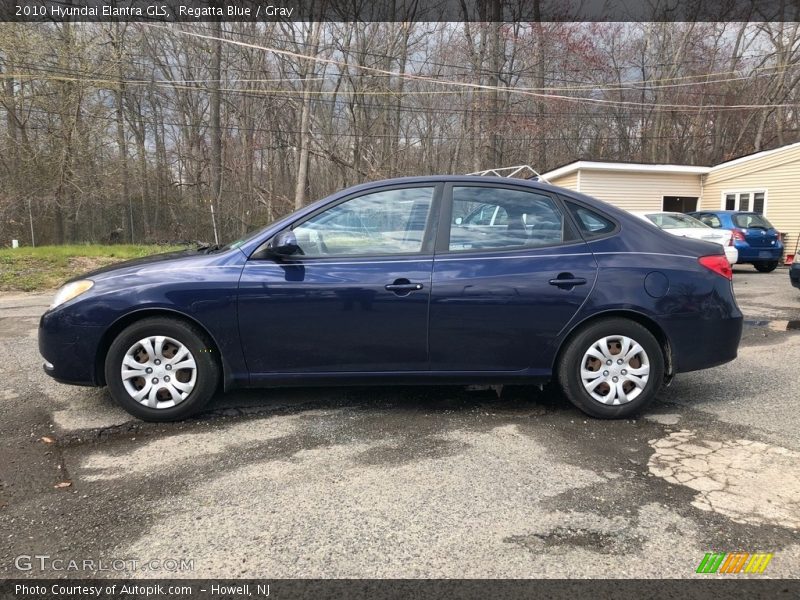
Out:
{"x": 749, "y": 482}
{"x": 774, "y": 325}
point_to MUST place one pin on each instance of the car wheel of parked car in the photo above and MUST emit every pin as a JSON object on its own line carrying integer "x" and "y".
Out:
{"x": 612, "y": 368}
{"x": 161, "y": 369}
{"x": 766, "y": 267}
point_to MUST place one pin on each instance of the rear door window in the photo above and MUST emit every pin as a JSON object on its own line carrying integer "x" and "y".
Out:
{"x": 500, "y": 218}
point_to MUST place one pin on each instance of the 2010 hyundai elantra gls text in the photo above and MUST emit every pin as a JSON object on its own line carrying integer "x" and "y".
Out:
{"x": 426, "y": 280}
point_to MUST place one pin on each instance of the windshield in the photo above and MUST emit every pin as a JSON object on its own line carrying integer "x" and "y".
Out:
{"x": 675, "y": 221}
{"x": 748, "y": 220}
{"x": 240, "y": 241}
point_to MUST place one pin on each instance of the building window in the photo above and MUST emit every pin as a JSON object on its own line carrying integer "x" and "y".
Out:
{"x": 744, "y": 201}
{"x": 758, "y": 203}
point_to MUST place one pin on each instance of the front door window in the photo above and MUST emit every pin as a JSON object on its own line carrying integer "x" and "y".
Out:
{"x": 382, "y": 223}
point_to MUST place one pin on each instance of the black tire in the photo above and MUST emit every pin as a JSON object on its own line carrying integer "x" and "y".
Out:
{"x": 570, "y": 363}
{"x": 766, "y": 267}
{"x": 207, "y": 367}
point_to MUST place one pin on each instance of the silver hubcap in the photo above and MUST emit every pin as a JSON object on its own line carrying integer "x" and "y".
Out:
{"x": 615, "y": 370}
{"x": 159, "y": 372}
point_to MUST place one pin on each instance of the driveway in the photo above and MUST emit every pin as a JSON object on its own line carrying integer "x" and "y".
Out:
{"x": 381, "y": 482}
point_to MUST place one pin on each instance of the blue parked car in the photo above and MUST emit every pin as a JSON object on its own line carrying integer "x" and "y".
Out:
{"x": 757, "y": 241}
{"x": 391, "y": 283}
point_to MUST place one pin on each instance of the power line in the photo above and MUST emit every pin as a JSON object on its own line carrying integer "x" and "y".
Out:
{"x": 421, "y": 135}
{"x": 395, "y": 94}
{"x": 648, "y": 84}
{"x": 475, "y": 86}
{"x": 288, "y": 95}
{"x": 182, "y": 84}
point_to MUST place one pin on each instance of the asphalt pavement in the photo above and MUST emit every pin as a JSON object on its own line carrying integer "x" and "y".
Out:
{"x": 413, "y": 482}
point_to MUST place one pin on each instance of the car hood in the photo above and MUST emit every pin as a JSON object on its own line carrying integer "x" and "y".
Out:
{"x": 185, "y": 258}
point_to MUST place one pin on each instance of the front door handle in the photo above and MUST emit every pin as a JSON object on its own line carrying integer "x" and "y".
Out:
{"x": 567, "y": 281}
{"x": 403, "y": 287}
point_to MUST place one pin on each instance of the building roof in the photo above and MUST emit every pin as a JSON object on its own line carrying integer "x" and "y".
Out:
{"x": 623, "y": 166}
{"x": 754, "y": 156}
{"x": 633, "y": 167}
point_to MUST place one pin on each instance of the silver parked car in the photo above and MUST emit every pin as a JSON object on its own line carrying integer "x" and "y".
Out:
{"x": 686, "y": 226}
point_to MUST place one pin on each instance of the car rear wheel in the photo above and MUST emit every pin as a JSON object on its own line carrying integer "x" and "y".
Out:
{"x": 161, "y": 369}
{"x": 766, "y": 267}
{"x": 612, "y": 369}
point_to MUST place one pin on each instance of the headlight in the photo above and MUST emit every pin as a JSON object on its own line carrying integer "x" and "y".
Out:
{"x": 71, "y": 290}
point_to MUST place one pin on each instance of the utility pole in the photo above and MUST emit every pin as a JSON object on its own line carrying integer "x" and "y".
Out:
{"x": 216, "y": 131}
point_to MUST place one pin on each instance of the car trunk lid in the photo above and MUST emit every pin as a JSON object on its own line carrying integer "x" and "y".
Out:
{"x": 759, "y": 237}
{"x": 757, "y": 231}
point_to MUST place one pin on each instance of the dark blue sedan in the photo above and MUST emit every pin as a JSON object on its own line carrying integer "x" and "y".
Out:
{"x": 794, "y": 271}
{"x": 756, "y": 240}
{"x": 395, "y": 282}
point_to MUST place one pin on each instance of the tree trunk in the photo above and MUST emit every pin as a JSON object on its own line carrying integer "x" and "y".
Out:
{"x": 216, "y": 131}
{"x": 122, "y": 145}
{"x": 301, "y": 183}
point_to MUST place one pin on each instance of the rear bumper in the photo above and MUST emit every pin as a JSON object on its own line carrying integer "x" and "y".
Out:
{"x": 69, "y": 350}
{"x": 702, "y": 343}
{"x": 732, "y": 254}
{"x": 770, "y": 253}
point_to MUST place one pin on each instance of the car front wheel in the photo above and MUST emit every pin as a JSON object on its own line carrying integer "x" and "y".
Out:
{"x": 161, "y": 369}
{"x": 766, "y": 267}
{"x": 612, "y": 369}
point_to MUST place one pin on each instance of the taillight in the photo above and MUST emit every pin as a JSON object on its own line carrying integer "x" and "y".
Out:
{"x": 730, "y": 239}
{"x": 738, "y": 236}
{"x": 718, "y": 264}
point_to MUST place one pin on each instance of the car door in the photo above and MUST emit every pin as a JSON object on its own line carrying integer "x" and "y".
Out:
{"x": 501, "y": 295}
{"x": 355, "y": 299}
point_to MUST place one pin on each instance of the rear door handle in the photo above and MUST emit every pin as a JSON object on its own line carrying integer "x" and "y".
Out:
{"x": 403, "y": 286}
{"x": 567, "y": 280}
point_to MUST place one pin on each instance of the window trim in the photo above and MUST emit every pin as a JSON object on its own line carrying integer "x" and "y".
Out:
{"x": 428, "y": 237}
{"x": 442, "y": 246}
{"x": 738, "y": 193}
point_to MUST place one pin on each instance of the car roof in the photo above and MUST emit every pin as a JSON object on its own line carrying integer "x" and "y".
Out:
{"x": 464, "y": 179}
{"x": 432, "y": 179}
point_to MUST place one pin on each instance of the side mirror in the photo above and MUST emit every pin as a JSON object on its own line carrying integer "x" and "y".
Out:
{"x": 459, "y": 220}
{"x": 284, "y": 244}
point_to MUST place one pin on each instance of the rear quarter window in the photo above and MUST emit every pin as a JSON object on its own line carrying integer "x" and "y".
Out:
{"x": 591, "y": 223}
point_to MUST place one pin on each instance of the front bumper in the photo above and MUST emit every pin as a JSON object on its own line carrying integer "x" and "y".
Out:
{"x": 69, "y": 350}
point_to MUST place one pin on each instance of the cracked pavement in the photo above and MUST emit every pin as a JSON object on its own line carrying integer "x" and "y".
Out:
{"x": 410, "y": 481}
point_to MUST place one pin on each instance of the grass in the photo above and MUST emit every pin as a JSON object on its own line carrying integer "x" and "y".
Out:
{"x": 47, "y": 267}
